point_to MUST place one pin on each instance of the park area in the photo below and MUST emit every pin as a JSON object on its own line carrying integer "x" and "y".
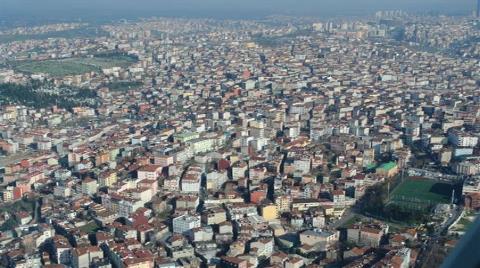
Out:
{"x": 421, "y": 194}
{"x": 73, "y": 66}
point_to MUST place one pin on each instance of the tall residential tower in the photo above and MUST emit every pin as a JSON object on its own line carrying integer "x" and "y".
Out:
{"x": 477, "y": 10}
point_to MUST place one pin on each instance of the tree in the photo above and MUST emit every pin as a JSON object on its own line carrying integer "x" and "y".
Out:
{"x": 34, "y": 95}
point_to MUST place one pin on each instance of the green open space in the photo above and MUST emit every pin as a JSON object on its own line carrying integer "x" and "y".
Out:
{"x": 90, "y": 227}
{"x": 73, "y": 66}
{"x": 55, "y": 67}
{"x": 122, "y": 86}
{"x": 421, "y": 193}
{"x": 352, "y": 221}
{"x": 465, "y": 222}
{"x": 26, "y": 205}
{"x": 33, "y": 95}
{"x": 20, "y": 205}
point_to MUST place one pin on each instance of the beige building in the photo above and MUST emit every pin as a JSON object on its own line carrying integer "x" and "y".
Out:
{"x": 283, "y": 203}
{"x": 366, "y": 235}
{"x": 269, "y": 212}
{"x": 294, "y": 262}
{"x": 320, "y": 239}
{"x": 89, "y": 186}
{"x": 214, "y": 216}
{"x": 107, "y": 179}
{"x": 83, "y": 256}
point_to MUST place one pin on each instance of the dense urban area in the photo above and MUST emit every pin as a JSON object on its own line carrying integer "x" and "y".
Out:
{"x": 281, "y": 142}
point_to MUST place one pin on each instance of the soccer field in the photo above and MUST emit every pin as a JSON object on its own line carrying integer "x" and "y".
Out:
{"x": 421, "y": 192}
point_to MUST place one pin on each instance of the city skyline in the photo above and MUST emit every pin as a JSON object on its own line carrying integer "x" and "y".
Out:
{"x": 239, "y": 134}
{"x": 222, "y": 9}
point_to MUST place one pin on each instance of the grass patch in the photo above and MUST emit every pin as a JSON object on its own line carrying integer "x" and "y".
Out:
{"x": 57, "y": 68}
{"x": 465, "y": 223}
{"x": 90, "y": 227}
{"x": 123, "y": 86}
{"x": 72, "y": 66}
{"x": 421, "y": 193}
{"x": 108, "y": 62}
{"x": 351, "y": 221}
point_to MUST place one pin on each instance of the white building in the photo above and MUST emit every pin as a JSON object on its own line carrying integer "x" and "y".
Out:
{"x": 191, "y": 180}
{"x": 303, "y": 164}
{"x": 184, "y": 223}
{"x": 89, "y": 186}
{"x": 467, "y": 167}
{"x": 262, "y": 247}
{"x": 121, "y": 205}
{"x": 216, "y": 179}
{"x": 202, "y": 145}
{"x": 149, "y": 172}
{"x": 462, "y": 139}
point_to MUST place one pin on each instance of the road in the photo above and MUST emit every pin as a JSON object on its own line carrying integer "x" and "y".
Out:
{"x": 427, "y": 250}
{"x": 456, "y": 213}
{"x": 347, "y": 216}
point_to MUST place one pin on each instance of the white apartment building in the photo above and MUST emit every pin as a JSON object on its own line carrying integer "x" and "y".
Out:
{"x": 184, "y": 223}
{"x": 462, "y": 139}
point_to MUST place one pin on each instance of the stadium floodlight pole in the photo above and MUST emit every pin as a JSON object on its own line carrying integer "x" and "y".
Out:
{"x": 388, "y": 191}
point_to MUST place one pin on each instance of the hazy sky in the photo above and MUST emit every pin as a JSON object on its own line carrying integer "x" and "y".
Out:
{"x": 32, "y": 9}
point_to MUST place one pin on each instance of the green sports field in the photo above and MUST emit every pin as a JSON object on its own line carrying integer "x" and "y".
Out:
{"x": 421, "y": 193}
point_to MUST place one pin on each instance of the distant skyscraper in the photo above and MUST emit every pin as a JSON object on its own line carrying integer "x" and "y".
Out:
{"x": 477, "y": 12}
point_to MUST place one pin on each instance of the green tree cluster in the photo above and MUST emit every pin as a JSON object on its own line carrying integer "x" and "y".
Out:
{"x": 30, "y": 95}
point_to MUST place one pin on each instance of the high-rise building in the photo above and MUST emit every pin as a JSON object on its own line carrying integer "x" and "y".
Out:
{"x": 477, "y": 10}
